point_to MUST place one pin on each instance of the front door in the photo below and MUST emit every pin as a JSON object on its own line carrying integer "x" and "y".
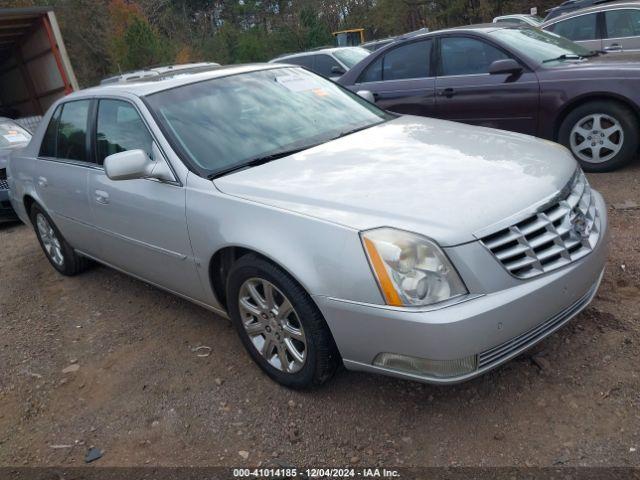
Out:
{"x": 401, "y": 80}
{"x": 142, "y": 221}
{"x": 466, "y": 91}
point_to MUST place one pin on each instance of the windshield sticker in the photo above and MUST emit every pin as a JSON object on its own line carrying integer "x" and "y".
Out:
{"x": 298, "y": 84}
{"x": 15, "y": 137}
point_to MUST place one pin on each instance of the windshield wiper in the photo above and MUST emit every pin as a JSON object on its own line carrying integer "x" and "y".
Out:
{"x": 254, "y": 162}
{"x": 564, "y": 56}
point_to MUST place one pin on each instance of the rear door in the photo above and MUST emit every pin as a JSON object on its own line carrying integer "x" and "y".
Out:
{"x": 622, "y": 30}
{"x": 63, "y": 166}
{"x": 467, "y": 92}
{"x": 142, "y": 221}
{"x": 402, "y": 79}
{"x": 583, "y": 29}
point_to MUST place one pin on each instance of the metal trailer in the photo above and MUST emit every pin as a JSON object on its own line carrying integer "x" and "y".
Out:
{"x": 34, "y": 66}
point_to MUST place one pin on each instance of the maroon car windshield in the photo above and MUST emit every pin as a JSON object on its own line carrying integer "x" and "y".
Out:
{"x": 539, "y": 45}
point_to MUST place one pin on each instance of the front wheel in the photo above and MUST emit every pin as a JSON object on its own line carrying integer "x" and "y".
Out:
{"x": 602, "y": 136}
{"x": 279, "y": 325}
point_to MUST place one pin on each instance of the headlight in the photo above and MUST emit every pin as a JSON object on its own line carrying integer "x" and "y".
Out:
{"x": 410, "y": 269}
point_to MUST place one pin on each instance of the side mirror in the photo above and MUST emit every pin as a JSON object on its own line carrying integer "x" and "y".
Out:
{"x": 337, "y": 70}
{"x": 367, "y": 95}
{"x": 128, "y": 165}
{"x": 136, "y": 164}
{"x": 508, "y": 65}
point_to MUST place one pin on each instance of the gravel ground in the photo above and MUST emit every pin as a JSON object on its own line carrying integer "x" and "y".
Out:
{"x": 135, "y": 388}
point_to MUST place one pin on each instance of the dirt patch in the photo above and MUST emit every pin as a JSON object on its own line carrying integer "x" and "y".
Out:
{"x": 144, "y": 396}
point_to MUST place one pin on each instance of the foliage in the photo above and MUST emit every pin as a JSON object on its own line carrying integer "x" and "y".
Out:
{"x": 107, "y": 36}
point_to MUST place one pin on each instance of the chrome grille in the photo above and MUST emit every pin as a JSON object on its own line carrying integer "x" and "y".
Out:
{"x": 4, "y": 185}
{"x": 556, "y": 235}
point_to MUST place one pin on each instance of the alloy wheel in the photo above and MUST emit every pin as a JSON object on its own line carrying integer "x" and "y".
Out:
{"x": 272, "y": 324}
{"x": 596, "y": 138}
{"x": 50, "y": 240}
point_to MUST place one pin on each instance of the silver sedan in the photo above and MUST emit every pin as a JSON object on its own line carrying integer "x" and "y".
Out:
{"x": 329, "y": 231}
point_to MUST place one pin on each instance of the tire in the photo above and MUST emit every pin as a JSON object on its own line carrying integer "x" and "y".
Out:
{"x": 57, "y": 250}
{"x": 604, "y": 124}
{"x": 321, "y": 357}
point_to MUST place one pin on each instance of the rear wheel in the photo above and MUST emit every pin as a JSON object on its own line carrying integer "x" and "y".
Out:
{"x": 601, "y": 135}
{"x": 59, "y": 253}
{"x": 279, "y": 325}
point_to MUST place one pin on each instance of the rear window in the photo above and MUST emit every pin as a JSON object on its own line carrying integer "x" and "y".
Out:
{"x": 13, "y": 136}
{"x": 66, "y": 135}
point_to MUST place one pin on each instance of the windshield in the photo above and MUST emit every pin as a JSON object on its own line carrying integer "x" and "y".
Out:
{"x": 226, "y": 122}
{"x": 12, "y": 136}
{"x": 351, "y": 56}
{"x": 539, "y": 45}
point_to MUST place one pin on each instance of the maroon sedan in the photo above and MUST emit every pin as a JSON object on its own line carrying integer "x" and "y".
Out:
{"x": 514, "y": 78}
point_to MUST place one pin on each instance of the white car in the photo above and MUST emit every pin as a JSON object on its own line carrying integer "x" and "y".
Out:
{"x": 519, "y": 19}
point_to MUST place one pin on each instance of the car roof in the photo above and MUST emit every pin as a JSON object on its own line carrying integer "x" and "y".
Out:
{"x": 313, "y": 51}
{"x": 479, "y": 27}
{"x": 515, "y": 15}
{"x": 597, "y": 6}
{"x": 167, "y": 80}
{"x": 155, "y": 71}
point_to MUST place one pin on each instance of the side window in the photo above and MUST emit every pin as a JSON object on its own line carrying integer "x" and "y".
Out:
{"x": 408, "y": 61}
{"x": 72, "y": 131}
{"x": 303, "y": 61}
{"x": 577, "y": 28}
{"x": 411, "y": 60}
{"x": 373, "y": 73}
{"x": 119, "y": 129}
{"x": 467, "y": 56}
{"x": 322, "y": 65}
{"x": 623, "y": 23}
{"x": 49, "y": 141}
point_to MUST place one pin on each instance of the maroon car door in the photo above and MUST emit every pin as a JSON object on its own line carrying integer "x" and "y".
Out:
{"x": 402, "y": 80}
{"x": 467, "y": 92}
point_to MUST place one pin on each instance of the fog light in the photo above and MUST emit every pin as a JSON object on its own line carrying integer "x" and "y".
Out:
{"x": 424, "y": 366}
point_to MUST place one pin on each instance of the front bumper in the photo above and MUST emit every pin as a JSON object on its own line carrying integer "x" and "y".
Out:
{"x": 494, "y": 327}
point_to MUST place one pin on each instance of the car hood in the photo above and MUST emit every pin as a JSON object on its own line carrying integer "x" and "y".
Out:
{"x": 442, "y": 179}
{"x": 610, "y": 63}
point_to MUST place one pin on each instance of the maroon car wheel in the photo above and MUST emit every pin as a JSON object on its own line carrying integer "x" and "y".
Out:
{"x": 601, "y": 135}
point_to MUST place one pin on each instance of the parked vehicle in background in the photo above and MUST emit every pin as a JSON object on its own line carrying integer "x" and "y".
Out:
{"x": 374, "y": 45}
{"x": 514, "y": 78}
{"x": 35, "y": 70}
{"x": 327, "y": 229}
{"x": 519, "y": 19}
{"x": 328, "y": 62}
{"x": 12, "y": 137}
{"x": 156, "y": 71}
{"x": 349, "y": 38}
{"x": 571, "y": 6}
{"x": 611, "y": 27}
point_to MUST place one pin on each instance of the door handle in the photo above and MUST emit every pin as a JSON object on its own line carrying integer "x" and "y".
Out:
{"x": 614, "y": 47}
{"x": 42, "y": 182}
{"x": 102, "y": 197}
{"x": 447, "y": 92}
